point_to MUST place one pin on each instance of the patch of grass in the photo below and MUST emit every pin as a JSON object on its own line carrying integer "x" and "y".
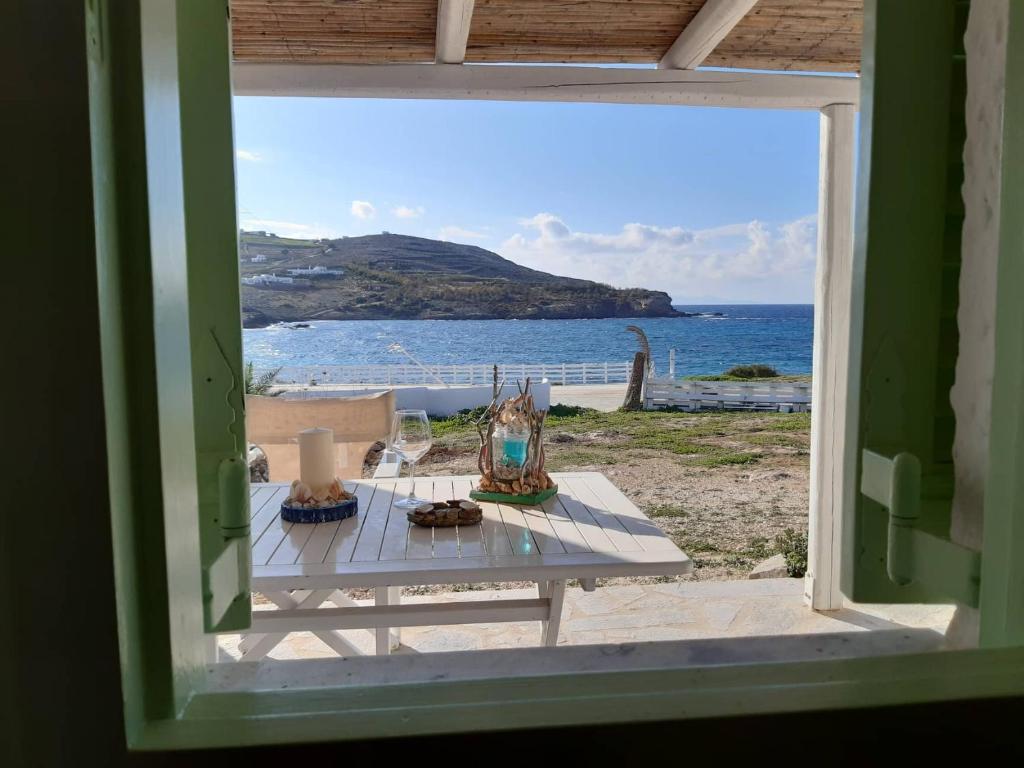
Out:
{"x": 782, "y": 377}
{"x": 666, "y": 510}
{"x": 737, "y": 560}
{"x": 673, "y": 442}
{"x": 728, "y": 459}
{"x": 787, "y": 422}
{"x": 698, "y": 546}
{"x": 793, "y": 545}
{"x": 458, "y": 424}
{"x": 567, "y": 411}
{"x": 776, "y": 440}
{"x": 713, "y": 439}
{"x": 759, "y": 548}
{"x": 572, "y": 459}
{"x": 755, "y": 371}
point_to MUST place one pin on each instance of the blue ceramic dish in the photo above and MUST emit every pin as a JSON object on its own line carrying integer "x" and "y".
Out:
{"x": 345, "y": 509}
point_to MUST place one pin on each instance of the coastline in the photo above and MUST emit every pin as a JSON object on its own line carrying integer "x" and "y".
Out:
{"x": 266, "y": 322}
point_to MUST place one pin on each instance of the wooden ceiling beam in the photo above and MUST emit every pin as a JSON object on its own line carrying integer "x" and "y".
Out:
{"x": 540, "y": 83}
{"x": 705, "y": 31}
{"x": 453, "y": 20}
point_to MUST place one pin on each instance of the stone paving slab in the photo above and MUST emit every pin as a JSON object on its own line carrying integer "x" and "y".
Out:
{"x": 636, "y": 613}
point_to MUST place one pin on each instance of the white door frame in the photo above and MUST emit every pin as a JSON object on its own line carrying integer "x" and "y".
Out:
{"x": 831, "y": 483}
{"x": 833, "y": 465}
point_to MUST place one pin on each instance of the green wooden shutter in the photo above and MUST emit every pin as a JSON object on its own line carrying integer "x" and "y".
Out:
{"x": 907, "y": 264}
{"x": 208, "y": 156}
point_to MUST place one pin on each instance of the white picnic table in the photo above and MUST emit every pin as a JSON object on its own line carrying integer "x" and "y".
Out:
{"x": 589, "y": 530}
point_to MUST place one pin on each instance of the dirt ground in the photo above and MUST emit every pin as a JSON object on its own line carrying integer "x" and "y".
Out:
{"x": 723, "y": 486}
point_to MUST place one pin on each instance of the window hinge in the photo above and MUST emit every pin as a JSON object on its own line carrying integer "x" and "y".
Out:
{"x": 914, "y": 555}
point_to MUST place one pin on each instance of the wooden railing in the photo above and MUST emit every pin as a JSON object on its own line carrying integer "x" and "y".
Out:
{"x": 731, "y": 395}
{"x": 556, "y": 373}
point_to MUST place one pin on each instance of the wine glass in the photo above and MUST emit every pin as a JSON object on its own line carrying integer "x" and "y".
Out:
{"x": 410, "y": 439}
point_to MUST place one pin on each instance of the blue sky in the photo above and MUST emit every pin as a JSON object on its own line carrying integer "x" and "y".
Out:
{"x": 711, "y": 205}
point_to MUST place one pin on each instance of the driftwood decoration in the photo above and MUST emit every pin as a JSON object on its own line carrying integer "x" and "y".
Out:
{"x": 635, "y": 389}
{"x": 511, "y": 459}
{"x": 643, "y": 367}
{"x": 645, "y": 346}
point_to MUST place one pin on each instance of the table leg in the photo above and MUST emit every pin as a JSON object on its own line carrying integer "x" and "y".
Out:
{"x": 249, "y": 640}
{"x": 555, "y": 592}
{"x": 388, "y": 638}
{"x": 543, "y": 589}
{"x": 257, "y": 646}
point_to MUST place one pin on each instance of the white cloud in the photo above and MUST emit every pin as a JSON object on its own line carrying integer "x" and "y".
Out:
{"x": 404, "y": 212}
{"x": 245, "y": 154}
{"x": 752, "y": 261}
{"x": 289, "y": 228}
{"x": 363, "y": 210}
{"x": 453, "y": 234}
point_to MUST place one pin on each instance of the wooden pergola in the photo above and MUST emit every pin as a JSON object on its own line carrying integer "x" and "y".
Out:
{"x": 766, "y": 54}
{"x": 807, "y": 35}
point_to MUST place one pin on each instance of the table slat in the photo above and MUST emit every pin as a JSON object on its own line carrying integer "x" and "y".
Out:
{"x": 542, "y": 530}
{"x": 446, "y": 540}
{"x": 642, "y": 528}
{"x": 367, "y": 547}
{"x": 620, "y": 537}
{"x": 471, "y": 539}
{"x": 259, "y": 494}
{"x": 493, "y": 530}
{"x": 267, "y": 513}
{"x": 270, "y": 540}
{"x": 577, "y": 511}
{"x": 340, "y": 536}
{"x": 420, "y": 544}
{"x": 571, "y": 537}
{"x": 291, "y": 545}
{"x": 519, "y": 534}
{"x": 396, "y": 533}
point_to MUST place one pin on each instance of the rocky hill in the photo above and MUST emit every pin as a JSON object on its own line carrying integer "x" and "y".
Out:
{"x": 390, "y": 276}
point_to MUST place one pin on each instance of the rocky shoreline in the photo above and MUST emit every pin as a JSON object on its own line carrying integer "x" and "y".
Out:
{"x": 252, "y": 318}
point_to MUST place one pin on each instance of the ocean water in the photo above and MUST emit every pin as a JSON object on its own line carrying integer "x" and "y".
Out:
{"x": 775, "y": 334}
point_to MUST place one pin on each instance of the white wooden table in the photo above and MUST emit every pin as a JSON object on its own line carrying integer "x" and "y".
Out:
{"x": 588, "y": 530}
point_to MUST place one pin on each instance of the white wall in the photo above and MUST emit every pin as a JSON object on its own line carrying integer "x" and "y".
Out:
{"x": 436, "y": 401}
{"x": 971, "y": 395}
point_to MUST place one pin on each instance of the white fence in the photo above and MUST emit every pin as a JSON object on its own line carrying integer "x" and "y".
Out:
{"x": 435, "y": 400}
{"x": 556, "y": 373}
{"x": 689, "y": 395}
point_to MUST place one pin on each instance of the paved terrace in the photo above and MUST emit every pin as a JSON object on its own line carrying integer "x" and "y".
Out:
{"x": 636, "y": 613}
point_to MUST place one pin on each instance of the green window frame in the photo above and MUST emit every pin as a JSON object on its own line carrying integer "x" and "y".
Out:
{"x": 163, "y": 504}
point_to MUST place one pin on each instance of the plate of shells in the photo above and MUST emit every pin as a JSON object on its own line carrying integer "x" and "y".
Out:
{"x": 439, "y": 514}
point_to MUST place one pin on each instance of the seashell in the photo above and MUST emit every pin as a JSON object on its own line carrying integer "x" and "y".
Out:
{"x": 301, "y": 492}
{"x": 321, "y": 494}
{"x": 336, "y": 491}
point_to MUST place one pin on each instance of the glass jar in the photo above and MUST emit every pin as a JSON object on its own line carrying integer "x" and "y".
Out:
{"x": 509, "y": 448}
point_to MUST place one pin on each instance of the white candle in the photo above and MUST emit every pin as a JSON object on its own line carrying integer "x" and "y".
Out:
{"x": 316, "y": 457}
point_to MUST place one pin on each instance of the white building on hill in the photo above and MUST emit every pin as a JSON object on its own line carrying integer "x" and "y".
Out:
{"x": 266, "y": 280}
{"x": 315, "y": 272}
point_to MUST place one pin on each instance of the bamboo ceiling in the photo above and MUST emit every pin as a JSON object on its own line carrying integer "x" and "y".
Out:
{"x": 807, "y": 35}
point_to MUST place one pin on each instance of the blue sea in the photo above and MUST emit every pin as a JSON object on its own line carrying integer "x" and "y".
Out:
{"x": 779, "y": 335}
